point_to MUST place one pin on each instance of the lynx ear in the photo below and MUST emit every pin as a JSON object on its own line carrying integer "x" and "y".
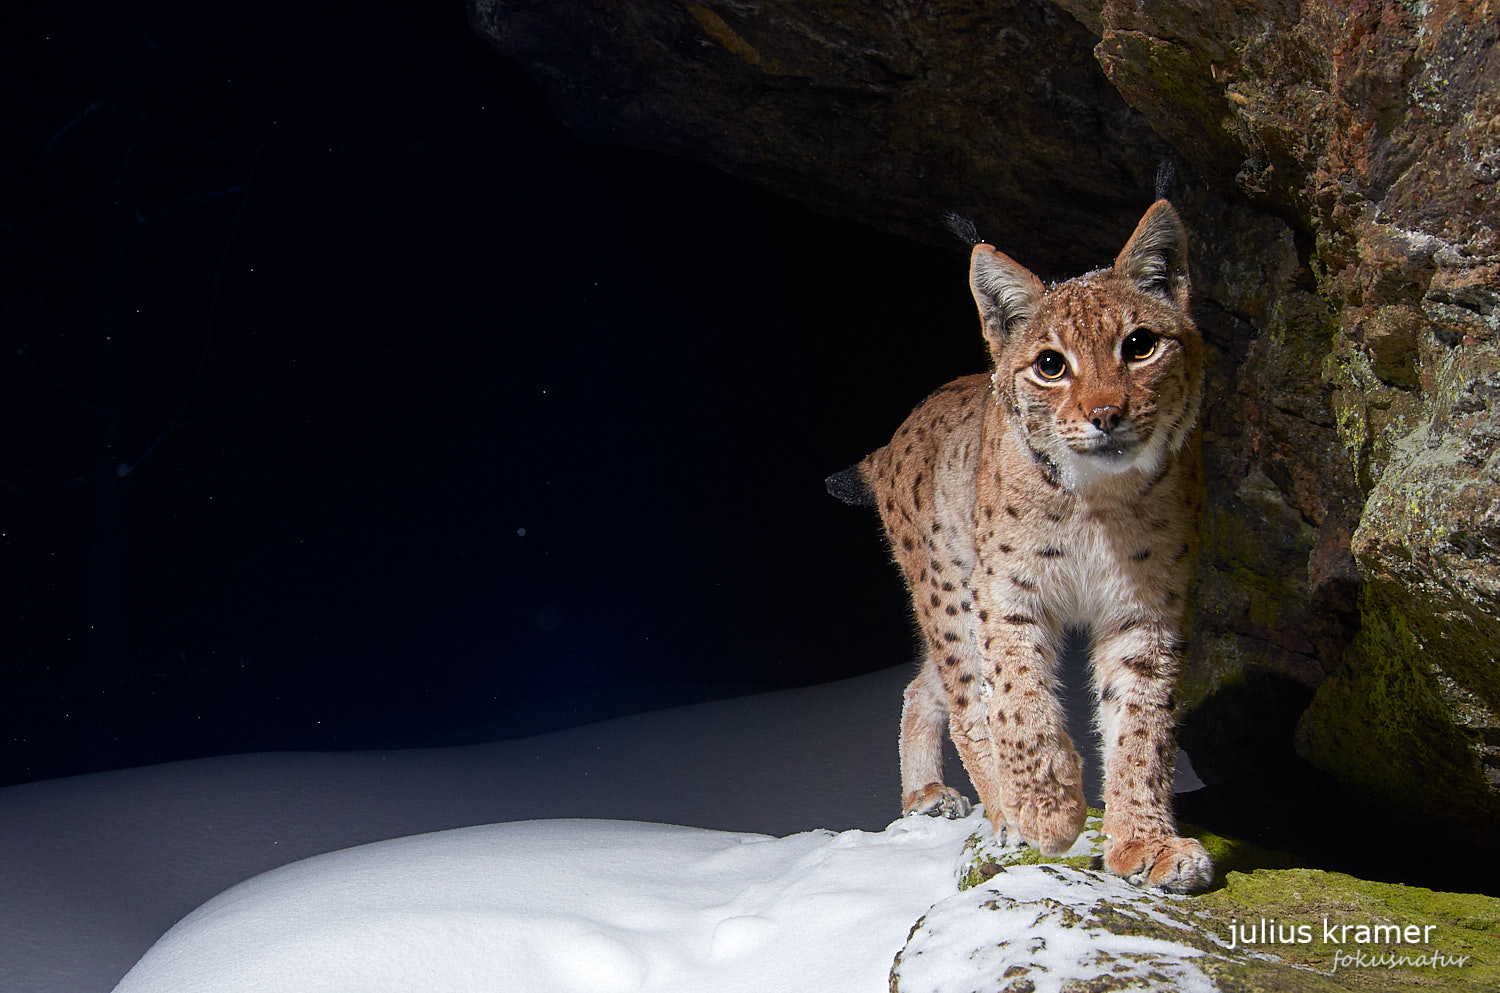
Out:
{"x": 1155, "y": 257}
{"x": 1005, "y": 291}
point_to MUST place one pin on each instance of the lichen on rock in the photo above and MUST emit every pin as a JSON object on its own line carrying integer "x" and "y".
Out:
{"x": 1052, "y": 927}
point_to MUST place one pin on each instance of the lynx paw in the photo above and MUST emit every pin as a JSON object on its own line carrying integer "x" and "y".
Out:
{"x": 1051, "y": 825}
{"x": 937, "y": 800}
{"x": 1178, "y": 865}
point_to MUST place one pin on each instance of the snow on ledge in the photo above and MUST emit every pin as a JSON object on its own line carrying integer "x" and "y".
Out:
{"x": 570, "y": 905}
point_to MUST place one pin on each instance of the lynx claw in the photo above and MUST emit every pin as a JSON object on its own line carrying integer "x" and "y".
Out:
{"x": 1177, "y": 865}
{"x": 937, "y": 800}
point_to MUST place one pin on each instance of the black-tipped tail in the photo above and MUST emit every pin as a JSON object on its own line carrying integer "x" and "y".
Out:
{"x": 847, "y": 486}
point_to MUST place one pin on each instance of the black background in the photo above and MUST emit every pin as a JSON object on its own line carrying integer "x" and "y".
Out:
{"x": 445, "y": 425}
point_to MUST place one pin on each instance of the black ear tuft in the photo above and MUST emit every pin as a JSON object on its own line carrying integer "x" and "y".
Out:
{"x": 1166, "y": 179}
{"x": 963, "y": 227}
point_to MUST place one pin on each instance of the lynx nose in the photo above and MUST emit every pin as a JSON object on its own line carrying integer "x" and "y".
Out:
{"x": 1105, "y": 418}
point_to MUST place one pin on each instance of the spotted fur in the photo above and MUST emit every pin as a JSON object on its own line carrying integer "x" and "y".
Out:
{"x": 1023, "y": 504}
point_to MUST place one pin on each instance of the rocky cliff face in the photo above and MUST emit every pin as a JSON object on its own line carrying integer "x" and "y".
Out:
{"x": 1374, "y": 131}
{"x": 878, "y": 111}
{"x": 1340, "y": 168}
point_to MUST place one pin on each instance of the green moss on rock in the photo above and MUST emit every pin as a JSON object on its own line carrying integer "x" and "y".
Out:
{"x": 1461, "y": 927}
{"x": 1234, "y": 855}
{"x": 984, "y": 857}
{"x": 1382, "y": 721}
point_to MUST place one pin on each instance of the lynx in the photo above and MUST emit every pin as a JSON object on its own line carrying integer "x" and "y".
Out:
{"x": 1060, "y": 493}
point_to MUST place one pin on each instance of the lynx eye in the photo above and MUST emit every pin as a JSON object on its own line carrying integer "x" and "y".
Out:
{"x": 1050, "y": 365}
{"x": 1139, "y": 345}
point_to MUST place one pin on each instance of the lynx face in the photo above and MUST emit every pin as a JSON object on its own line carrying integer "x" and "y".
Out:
{"x": 1102, "y": 373}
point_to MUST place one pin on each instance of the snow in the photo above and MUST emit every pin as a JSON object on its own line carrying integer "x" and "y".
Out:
{"x": 1037, "y": 924}
{"x": 97, "y": 868}
{"x": 570, "y": 907}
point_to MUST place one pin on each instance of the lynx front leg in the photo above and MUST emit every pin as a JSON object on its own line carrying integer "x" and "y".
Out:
{"x": 924, "y": 715}
{"x": 1034, "y": 758}
{"x": 948, "y": 692}
{"x": 1134, "y": 673}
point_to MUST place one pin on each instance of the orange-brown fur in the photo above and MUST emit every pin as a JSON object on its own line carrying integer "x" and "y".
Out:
{"x": 1021, "y": 506}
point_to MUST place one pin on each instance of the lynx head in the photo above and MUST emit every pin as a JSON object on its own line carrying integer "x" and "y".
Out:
{"x": 1103, "y": 373}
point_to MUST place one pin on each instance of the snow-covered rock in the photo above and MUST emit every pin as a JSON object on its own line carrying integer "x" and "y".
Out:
{"x": 1023, "y": 922}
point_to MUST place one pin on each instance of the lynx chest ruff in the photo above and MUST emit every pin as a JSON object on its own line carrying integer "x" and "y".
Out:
{"x": 1059, "y": 492}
